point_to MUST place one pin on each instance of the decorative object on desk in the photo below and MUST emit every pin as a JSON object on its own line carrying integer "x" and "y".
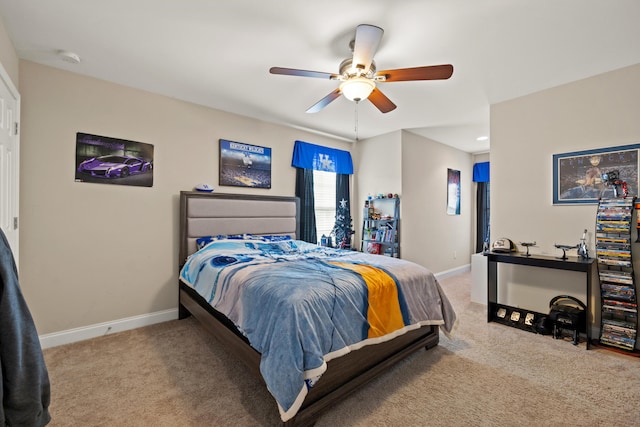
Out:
{"x": 583, "y": 251}
{"x": 503, "y": 245}
{"x": 527, "y": 245}
{"x": 577, "y": 176}
{"x": 565, "y": 248}
{"x": 567, "y": 312}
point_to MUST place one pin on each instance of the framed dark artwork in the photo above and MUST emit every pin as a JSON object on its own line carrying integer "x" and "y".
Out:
{"x": 583, "y": 177}
{"x": 106, "y": 160}
{"x": 453, "y": 192}
{"x": 244, "y": 165}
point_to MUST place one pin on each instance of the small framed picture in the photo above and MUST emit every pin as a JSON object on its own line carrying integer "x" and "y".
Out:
{"x": 515, "y": 316}
{"x": 502, "y": 313}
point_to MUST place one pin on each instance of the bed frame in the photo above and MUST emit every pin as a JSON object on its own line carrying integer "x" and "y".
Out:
{"x": 206, "y": 214}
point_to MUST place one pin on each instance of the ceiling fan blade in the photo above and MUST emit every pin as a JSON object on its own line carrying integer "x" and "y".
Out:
{"x": 324, "y": 101}
{"x": 365, "y": 46}
{"x": 381, "y": 101}
{"x": 432, "y": 72}
{"x": 303, "y": 73}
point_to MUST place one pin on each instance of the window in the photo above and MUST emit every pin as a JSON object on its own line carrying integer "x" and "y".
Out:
{"x": 324, "y": 192}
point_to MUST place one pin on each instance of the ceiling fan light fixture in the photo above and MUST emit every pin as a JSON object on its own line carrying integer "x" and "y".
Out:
{"x": 357, "y": 88}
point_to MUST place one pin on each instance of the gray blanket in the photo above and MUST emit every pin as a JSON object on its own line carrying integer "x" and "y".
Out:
{"x": 25, "y": 391}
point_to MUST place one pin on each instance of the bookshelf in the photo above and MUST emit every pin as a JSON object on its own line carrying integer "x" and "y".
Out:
{"x": 380, "y": 227}
{"x": 619, "y": 306}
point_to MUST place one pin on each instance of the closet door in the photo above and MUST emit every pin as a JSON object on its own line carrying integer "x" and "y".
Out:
{"x": 9, "y": 160}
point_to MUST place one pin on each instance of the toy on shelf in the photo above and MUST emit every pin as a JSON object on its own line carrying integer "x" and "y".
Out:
{"x": 527, "y": 245}
{"x": 565, "y": 248}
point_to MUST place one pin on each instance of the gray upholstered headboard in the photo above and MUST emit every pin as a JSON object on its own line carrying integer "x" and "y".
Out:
{"x": 212, "y": 214}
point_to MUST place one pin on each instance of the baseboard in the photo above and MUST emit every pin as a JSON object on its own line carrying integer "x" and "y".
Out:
{"x": 453, "y": 271}
{"x": 92, "y": 331}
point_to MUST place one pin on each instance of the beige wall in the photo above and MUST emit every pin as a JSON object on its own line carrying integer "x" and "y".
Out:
{"x": 602, "y": 111}
{"x": 8, "y": 55}
{"x": 430, "y": 237}
{"x": 377, "y": 163}
{"x": 93, "y": 253}
{"x": 416, "y": 168}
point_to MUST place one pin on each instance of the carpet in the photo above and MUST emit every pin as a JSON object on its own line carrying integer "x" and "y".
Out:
{"x": 486, "y": 374}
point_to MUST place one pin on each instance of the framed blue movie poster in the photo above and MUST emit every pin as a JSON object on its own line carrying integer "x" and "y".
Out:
{"x": 453, "y": 192}
{"x": 244, "y": 165}
{"x": 583, "y": 177}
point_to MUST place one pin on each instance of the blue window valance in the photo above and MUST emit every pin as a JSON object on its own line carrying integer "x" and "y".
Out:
{"x": 481, "y": 172}
{"x": 317, "y": 157}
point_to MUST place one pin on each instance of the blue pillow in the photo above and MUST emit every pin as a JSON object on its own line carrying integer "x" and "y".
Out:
{"x": 203, "y": 241}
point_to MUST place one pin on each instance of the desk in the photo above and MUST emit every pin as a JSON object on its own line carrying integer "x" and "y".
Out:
{"x": 570, "y": 264}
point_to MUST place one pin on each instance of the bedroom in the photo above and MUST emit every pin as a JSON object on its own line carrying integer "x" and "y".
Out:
{"x": 56, "y": 104}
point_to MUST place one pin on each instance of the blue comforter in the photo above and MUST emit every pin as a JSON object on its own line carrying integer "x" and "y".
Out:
{"x": 301, "y": 305}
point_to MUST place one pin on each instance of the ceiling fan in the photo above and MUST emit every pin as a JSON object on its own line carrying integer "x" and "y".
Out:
{"x": 359, "y": 75}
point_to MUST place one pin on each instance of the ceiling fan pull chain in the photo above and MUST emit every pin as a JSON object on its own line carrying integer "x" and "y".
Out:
{"x": 356, "y": 114}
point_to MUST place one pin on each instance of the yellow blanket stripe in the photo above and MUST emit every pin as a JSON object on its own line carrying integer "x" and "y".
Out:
{"x": 383, "y": 314}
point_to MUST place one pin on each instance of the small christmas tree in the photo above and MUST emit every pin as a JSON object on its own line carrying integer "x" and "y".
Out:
{"x": 342, "y": 228}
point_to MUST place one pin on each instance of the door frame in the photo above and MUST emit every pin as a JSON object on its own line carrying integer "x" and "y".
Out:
{"x": 14, "y": 128}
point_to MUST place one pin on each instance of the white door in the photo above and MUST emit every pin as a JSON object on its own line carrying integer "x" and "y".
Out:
{"x": 9, "y": 160}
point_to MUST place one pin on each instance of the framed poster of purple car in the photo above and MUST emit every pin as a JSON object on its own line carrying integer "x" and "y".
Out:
{"x": 105, "y": 160}
{"x": 244, "y": 165}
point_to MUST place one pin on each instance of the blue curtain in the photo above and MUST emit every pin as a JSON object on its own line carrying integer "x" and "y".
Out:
{"x": 304, "y": 190}
{"x": 481, "y": 172}
{"x": 307, "y": 158}
{"x": 317, "y": 157}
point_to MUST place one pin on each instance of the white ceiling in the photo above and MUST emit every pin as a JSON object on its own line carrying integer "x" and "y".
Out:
{"x": 218, "y": 53}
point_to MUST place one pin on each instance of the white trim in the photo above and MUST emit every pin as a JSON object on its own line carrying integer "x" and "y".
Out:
{"x": 92, "y": 331}
{"x": 453, "y": 271}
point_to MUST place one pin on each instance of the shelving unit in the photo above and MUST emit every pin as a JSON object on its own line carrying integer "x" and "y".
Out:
{"x": 380, "y": 227}
{"x": 619, "y": 317}
{"x": 521, "y": 317}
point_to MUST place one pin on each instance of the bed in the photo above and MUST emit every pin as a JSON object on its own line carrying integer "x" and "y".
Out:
{"x": 244, "y": 225}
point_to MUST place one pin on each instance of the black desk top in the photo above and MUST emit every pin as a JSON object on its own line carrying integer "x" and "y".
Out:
{"x": 570, "y": 263}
